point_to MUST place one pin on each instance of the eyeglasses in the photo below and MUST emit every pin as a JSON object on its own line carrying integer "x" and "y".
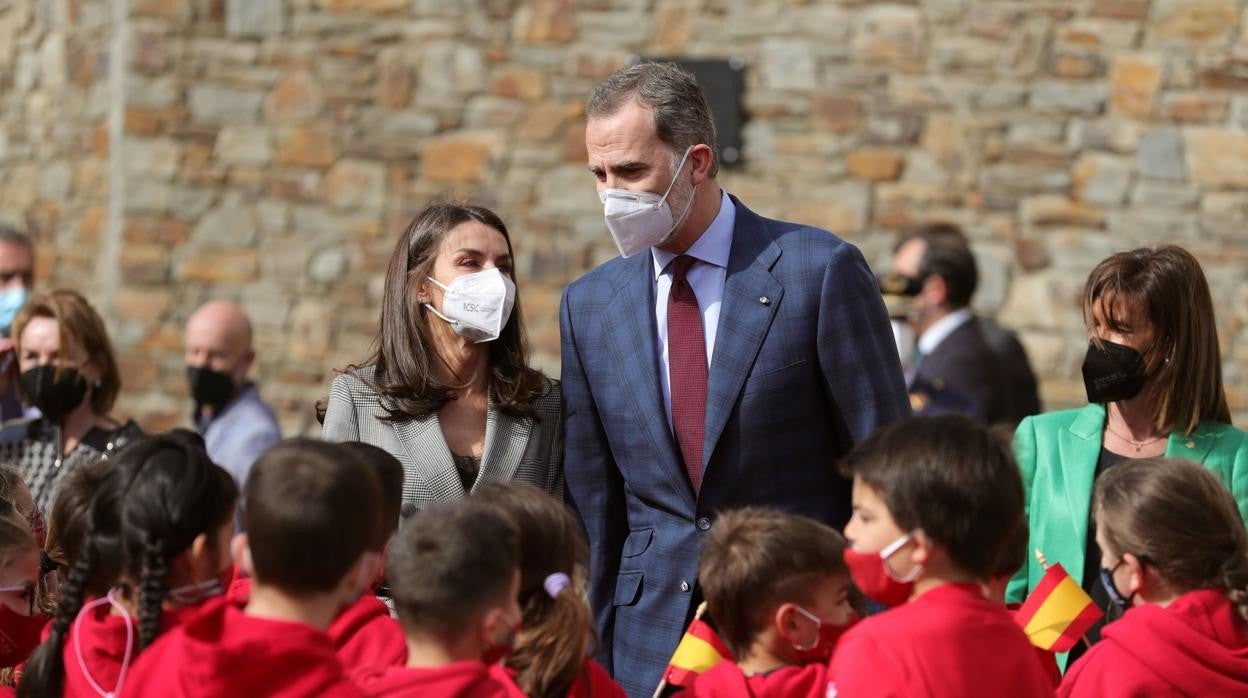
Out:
{"x": 25, "y": 591}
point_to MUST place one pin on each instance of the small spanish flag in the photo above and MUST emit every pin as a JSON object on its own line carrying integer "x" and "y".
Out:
{"x": 699, "y": 650}
{"x": 1058, "y": 612}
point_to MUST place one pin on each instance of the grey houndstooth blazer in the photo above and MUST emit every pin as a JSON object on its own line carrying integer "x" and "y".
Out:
{"x": 518, "y": 449}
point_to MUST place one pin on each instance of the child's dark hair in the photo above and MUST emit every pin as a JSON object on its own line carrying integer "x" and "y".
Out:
{"x": 1014, "y": 551}
{"x": 68, "y": 519}
{"x": 557, "y": 633}
{"x": 756, "y": 559}
{"x": 949, "y": 476}
{"x": 448, "y": 563}
{"x": 1179, "y": 519}
{"x": 299, "y": 495}
{"x": 158, "y": 494}
{"x": 389, "y": 472}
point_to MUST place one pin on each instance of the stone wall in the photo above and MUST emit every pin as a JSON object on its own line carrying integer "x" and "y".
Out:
{"x": 169, "y": 151}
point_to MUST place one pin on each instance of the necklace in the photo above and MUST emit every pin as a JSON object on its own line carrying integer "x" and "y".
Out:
{"x": 1139, "y": 445}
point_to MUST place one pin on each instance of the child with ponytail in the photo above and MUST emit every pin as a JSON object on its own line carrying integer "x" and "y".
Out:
{"x": 552, "y": 656}
{"x": 1174, "y": 552}
{"x": 154, "y": 546}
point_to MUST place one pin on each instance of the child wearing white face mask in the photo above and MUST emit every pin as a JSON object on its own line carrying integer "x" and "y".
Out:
{"x": 155, "y": 546}
{"x": 312, "y": 513}
{"x": 936, "y": 501}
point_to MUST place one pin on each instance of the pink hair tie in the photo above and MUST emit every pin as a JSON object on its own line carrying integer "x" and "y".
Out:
{"x": 556, "y": 583}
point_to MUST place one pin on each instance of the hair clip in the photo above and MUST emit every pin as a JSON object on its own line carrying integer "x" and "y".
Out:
{"x": 556, "y": 583}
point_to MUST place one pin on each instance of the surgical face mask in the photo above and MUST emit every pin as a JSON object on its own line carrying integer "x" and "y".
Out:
{"x": 55, "y": 391}
{"x": 639, "y": 220}
{"x": 1113, "y": 372}
{"x": 478, "y": 305}
{"x": 873, "y": 576}
{"x": 11, "y": 300}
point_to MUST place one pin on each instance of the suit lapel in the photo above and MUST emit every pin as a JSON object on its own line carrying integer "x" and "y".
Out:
{"x": 429, "y": 459}
{"x": 751, "y": 297}
{"x": 506, "y": 437}
{"x": 1079, "y": 447}
{"x": 630, "y": 333}
{"x": 1194, "y": 447}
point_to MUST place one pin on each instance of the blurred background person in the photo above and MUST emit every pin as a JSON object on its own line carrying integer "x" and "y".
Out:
{"x": 236, "y": 424}
{"x": 448, "y": 389}
{"x": 1153, "y": 376}
{"x": 68, "y": 371}
{"x": 958, "y": 362}
{"x": 17, "y": 276}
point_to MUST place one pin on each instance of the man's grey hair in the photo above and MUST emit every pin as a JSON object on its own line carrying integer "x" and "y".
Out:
{"x": 681, "y": 115}
{"x": 10, "y": 234}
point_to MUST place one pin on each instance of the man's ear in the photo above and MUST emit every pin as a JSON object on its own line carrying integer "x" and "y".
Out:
{"x": 937, "y": 288}
{"x": 701, "y": 158}
{"x": 244, "y": 366}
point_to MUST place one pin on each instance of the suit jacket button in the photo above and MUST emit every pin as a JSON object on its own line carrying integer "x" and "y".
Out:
{"x": 684, "y": 586}
{"x": 704, "y": 524}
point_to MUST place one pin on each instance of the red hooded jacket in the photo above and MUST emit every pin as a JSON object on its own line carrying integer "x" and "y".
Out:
{"x": 468, "y": 679}
{"x": 725, "y": 680}
{"x": 592, "y": 682}
{"x": 364, "y": 634}
{"x": 102, "y": 637}
{"x": 951, "y": 641}
{"x": 224, "y": 652}
{"x": 1197, "y": 646}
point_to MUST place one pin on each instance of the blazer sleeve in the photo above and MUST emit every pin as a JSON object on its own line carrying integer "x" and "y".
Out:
{"x": 1025, "y": 454}
{"x": 857, "y": 354}
{"x": 595, "y": 488}
{"x": 341, "y": 421}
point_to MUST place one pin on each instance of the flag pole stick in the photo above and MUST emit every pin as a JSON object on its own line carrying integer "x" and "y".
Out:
{"x": 697, "y": 615}
{"x": 1045, "y": 564}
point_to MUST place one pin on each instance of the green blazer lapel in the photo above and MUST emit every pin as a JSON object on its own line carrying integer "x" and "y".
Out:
{"x": 1079, "y": 448}
{"x": 1194, "y": 447}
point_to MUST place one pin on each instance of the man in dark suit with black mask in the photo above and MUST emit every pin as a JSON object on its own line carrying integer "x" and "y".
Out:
{"x": 959, "y": 359}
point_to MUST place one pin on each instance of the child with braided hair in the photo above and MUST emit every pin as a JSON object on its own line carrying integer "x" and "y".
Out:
{"x": 155, "y": 545}
{"x": 1174, "y": 553}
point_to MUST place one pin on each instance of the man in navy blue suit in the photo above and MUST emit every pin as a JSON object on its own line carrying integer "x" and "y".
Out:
{"x": 723, "y": 360}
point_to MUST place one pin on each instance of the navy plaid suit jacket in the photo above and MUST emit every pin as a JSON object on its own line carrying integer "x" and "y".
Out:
{"x": 804, "y": 367}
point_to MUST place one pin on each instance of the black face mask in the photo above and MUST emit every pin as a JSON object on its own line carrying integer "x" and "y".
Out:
{"x": 1113, "y": 372}
{"x": 56, "y": 392}
{"x": 209, "y": 388}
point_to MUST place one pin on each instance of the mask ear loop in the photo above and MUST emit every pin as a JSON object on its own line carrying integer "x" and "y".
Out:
{"x": 818, "y": 626}
{"x": 889, "y": 552}
{"x": 110, "y": 599}
{"x": 429, "y": 306}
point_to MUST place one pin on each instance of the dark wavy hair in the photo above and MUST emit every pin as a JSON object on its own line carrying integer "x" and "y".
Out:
{"x": 403, "y": 354}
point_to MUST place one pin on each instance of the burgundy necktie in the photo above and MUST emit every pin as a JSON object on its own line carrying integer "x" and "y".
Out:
{"x": 686, "y": 356}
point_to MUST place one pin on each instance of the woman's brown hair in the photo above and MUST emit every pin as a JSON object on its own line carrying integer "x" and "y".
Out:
{"x": 557, "y": 633}
{"x": 403, "y": 353}
{"x": 78, "y": 324}
{"x": 1168, "y": 284}
{"x": 1179, "y": 519}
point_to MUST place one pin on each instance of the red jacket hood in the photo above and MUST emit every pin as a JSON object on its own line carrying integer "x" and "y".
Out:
{"x": 469, "y": 679}
{"x": 224, "y": 652}
{"x": 364, "y": 634}
{"x": 1198, "y": 644}
{"x": 102, "y": 638}
{"x": 725, "y": 680}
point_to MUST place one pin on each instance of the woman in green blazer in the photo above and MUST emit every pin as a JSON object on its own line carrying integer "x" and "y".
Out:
{"x": 1154, "y": 381}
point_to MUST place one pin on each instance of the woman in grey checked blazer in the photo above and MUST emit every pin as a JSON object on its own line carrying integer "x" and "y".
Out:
{"x": 456, "y": 402}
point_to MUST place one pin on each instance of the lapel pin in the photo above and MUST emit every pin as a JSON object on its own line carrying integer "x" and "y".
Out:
{"x": 764, "y": 300}
{"x": 1191, "y": 443}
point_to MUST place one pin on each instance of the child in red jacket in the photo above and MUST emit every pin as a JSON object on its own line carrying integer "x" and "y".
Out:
{"x": 311, "y": 512}
{"x": 154, "y": 546}
{"x": 778, "y": 591}
{"x": 454, "y": 576}
{"x": 1012, "y": 558}
{"x": 935, "y": 499}
{"x": 1174, "y": 552}
{"x": 553, "y": 651}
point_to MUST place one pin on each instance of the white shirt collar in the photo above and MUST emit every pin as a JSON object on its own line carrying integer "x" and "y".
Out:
{"x": 942, "y": 328}
{"x": 713, "y": 247}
